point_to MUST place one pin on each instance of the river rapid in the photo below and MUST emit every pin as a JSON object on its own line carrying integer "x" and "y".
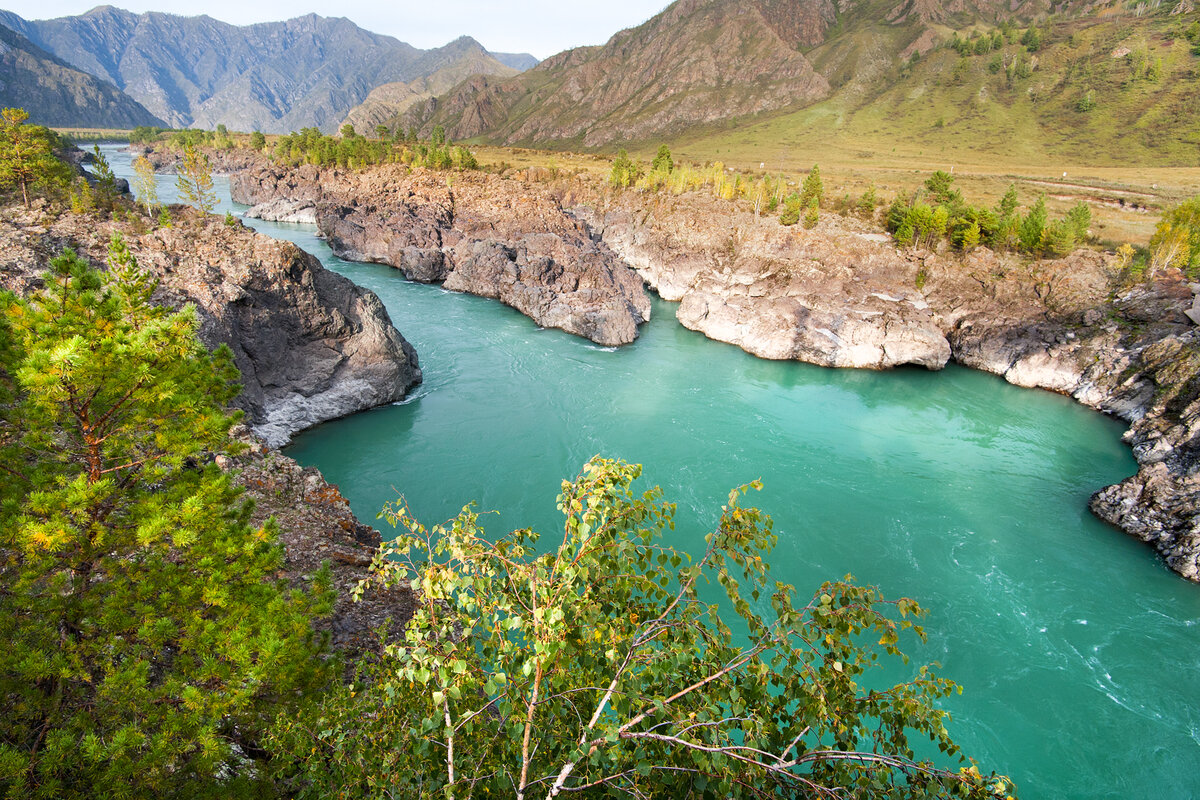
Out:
{"x": 1076, "y": 648}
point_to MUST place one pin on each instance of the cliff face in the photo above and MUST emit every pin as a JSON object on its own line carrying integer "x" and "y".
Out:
{"x": 472, "y": 232}
{"x": 311, "y": 346}
{"x": 316, "y": 526}
{"x": 842, "y": 295}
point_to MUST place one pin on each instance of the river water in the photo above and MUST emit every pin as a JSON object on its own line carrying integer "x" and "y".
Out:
{"x": 1076, "y": 648}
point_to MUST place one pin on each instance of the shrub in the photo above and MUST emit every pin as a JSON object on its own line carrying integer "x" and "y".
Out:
{"x": 624, "y": 171}
{"x": 596, "y": 663}
{"x": 1176, "y": 240}
{"x": 811, "y": 214}
{"x": 662, "y": 161}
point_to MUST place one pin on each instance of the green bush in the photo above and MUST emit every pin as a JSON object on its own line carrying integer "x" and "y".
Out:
{"x": 624, "y": 171}
{"x": 595, "y": 664}
{"x": 1176, "y": 240}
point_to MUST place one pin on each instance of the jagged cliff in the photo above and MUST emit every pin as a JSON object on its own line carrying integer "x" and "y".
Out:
{"x": 471, "y": 232}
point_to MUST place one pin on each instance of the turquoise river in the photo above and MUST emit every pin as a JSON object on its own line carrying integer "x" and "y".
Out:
{"x": 1074, "y": 645}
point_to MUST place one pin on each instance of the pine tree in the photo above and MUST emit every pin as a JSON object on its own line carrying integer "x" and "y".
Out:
{"x": 1080, "y": 217}
{"x": 1033, "y": 227}
{"x": 812, "y": 188}
{"x": 811, "y": 214}
{"x": 1059, "y": 238}
{"x": 624, "y": 172}
{"x": 662, "y": 161}
{"x": 26, "y": 158}
{"x": 106, "y": 180}
{"x": 1008, "y": 203}
{"x": 940, "y": 186}
{"x": 146, "y": 648}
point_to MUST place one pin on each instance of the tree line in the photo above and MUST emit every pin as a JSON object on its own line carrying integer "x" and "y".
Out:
{"x": 352, "y": 151}
{"x": 938, "y": 213}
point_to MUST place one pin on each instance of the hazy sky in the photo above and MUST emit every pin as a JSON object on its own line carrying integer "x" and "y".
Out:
{"x": 541, "y": 27}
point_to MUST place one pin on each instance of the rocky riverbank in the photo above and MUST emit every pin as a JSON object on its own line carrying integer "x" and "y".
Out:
{"x": 842, "y": 295}
{"x": 471, "y": 232}
{"x": 311, "y": 346}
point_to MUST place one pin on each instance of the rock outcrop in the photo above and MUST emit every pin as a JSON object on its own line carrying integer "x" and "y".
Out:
{"x": 472, "y": 232}
{"x": 837, "y": 301}
{"x": 311, "y": 346}
{"x": 316, "y": 526}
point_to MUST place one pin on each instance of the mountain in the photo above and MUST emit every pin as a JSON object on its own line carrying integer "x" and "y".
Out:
{"x": 384, "y": 105}
{"x": 518, "y": 61}
{"x": 198, "y": 71}
{"x": 705, "y": 63}
{"x": 1104, "y": 86}
{"x": 696, "y": 62}
{"x": 56, "y": 94}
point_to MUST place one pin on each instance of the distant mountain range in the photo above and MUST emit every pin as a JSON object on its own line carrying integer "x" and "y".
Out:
{"x": 55, "y": 93}
{"x": 275, "y": 77}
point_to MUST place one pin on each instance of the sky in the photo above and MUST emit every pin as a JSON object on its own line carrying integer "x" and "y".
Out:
{"x": 540, "y": 27}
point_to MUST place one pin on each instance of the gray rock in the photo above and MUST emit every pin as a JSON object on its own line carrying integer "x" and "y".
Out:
{"x": 478, "y": 234}
{"x": 280, "y": 210}
{"x": 310, "y": 345}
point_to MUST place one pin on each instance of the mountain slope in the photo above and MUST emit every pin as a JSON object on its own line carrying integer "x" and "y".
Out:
{"x": 57, "y": 94}
{"x": 706, "y": 63}
{"x": 386, "y": 103}
{"x": 518, "y": 61}
{"x": 696, "y": 62}
{"x": 1110, "y": 88}
{"x": 274, "y": 77}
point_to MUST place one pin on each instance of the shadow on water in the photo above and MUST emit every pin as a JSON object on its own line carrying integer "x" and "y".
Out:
{"x": 1075, "y": 645}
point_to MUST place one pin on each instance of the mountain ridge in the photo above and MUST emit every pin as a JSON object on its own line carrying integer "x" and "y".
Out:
{"x": 308, "y": 71}
{"x": 712, "y": 62}
{"x": 56, "y": 94}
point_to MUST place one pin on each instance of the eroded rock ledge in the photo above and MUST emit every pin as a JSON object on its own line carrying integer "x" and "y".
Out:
{"x": 842, "y": 295}
{"x": 311, "y": 346}
{"x": 472, "y": 232}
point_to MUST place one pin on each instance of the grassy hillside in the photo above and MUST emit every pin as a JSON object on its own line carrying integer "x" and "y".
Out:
{"x": 1111, "y": 92}
{"x": 1106, "y": 109}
